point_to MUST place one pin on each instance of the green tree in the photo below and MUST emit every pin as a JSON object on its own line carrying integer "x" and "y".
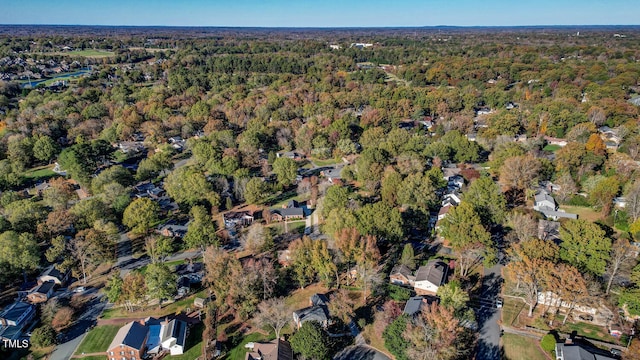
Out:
{"x": 312, "y": 342}
{"x": 201, "y": 231}
{"x": 256, "y": 191}
{"x": 24, "y": 215}
{"x": 452, "y": 296}
{"x": 114, "y": 288}
{"x": 408, "y": 257}
{"x": 141, "y": 215}
{"x": 189, "y": 186}
{"x": 117, "y": 174}
{"x": 417, "y": 191}
{"x": 602, "y": 194}
{"x": 161, "y": 282}
{"x": 585, "y": 246}
{"x": 380, "y": 220}
{"x": 394, "y": 339}
{"x": 43, "y": 336}
{"x": 286, "y": 170}
{"x": 487, "y": 200}
{"x": 468, "y": 238}
{"x": 548, "y": 343}
{"x": 18, "y": 252}
{"x": 45, "y": 149}
{"x": 336, "y": 197}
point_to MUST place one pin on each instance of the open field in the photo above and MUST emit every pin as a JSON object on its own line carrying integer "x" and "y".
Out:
{"x": 90, "y": 53}
{"x": 98, "y": 339}
{"x": 584, "y": 213}
{"x": 41, "y": 172}
{"x": 518, "y": 347}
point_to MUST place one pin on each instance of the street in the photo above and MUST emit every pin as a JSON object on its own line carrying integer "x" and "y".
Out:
{"x": 488, "y": 315}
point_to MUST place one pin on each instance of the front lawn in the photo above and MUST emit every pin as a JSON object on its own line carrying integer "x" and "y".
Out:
{"x": 173, "y": 308}
{"x": 98, "y": 339}
{"x": 510, "y": 311}
{"x": 518, "y": 347}
{"x": 40, "y": 173}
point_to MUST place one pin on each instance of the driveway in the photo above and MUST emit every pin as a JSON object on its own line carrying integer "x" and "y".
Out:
{"x": 360, "y": 352}
{"x": 487, "y": 315}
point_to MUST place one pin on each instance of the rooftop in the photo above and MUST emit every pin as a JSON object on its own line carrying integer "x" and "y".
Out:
{"x": 133, "y": 334}
{"x": 434, "y": 272}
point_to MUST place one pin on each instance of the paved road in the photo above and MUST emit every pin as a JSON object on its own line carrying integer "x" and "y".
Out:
{"x": 360, "y": 352}
{"x": 488, "y": 316}
{"x": 85, "y": 321}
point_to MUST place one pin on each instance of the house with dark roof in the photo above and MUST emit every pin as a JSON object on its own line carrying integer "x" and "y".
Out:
{"x": 333, "y": 175}
{"x": 580, "y": 352}
{"x": 430, "y": 277}
{"x": 276, "y": 349}
{"x": 51, "y": 273}
{"x": 415, "y": 304}
{"x": 233, "y": 219}
{"x": 130, "y": 342}
{"x": 401, "y": 275}
{"x": 41, "y": 293}
{"x": 287, "y": 214}
{"x": 548, "y": 230}
{"x": 318, "y": 311}
{"x": 14, "y": 318}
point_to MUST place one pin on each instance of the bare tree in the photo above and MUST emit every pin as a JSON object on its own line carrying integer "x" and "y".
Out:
{"x": 633, "y": 200}
{"x": 524, "y": 226}
{"x": 620, "y": 255}
{"x": 273, "y": 313}
{"x": 341, "y": 305}
{"x": 255, "y": 238}
{"x": 566, "y": 187}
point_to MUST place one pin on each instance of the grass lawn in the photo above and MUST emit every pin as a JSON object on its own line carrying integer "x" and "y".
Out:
{"x": 589, "y": 330}
{"x": 585, "y": 213}
{"x": 37, "y": 353}
{"x": 93, "y": 357}
{"x": 194, "y": 345}
{"x": 173, "y": 308}
{"x": 300, "y": 298}
{"x": 285, "y": 201}
{"x": 518, "y": 347}
{"x": 552, "y": 148}
{"x": 91, "y": 53}
{"x": 292, "y": 226}
{"x": 238, "y": 352}
{"x": 98, "y": 339}
{"x": 510, "y": 310}
{"x": 327, "y": 162}
{"x": 41, "y": 172}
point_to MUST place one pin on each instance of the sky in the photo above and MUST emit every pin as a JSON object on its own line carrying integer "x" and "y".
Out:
{"x": 321, "y": 13}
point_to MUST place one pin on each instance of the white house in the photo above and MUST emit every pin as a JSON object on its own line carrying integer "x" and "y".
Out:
{"x": 430, "y": 277}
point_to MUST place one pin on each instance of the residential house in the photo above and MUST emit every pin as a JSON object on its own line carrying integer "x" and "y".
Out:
{"x": 291, "y": 211}
{"x": 333, "y": 175}
{"x": 295, "y": 155}
{"x": 456, "y": 181}
{"x": 14, "y": 318}
{"x": 430, "y": 277}
{"x": 548, "y": 230}
{"x": 451, "y": 198}
{"x": 167, "y": 335}
{"x": 318, "y": 311}
{"x": 130, "y": 342}
{"x": 233, "y": 219}
{"x": 580, "y": 352}
{"x": 130, "y": 147}
{"x": 188, "y": 274}
{"x": 556, "y": 141}
{"x": 276, "y": 349}
{"x": 545, "y": 204}
{"x": 415, "y": 304}
{"x": 173, "y": 230}
{"x": 51, "y": 273}
{"x": 402, "y": 275}
{"x": 41, "y": 293}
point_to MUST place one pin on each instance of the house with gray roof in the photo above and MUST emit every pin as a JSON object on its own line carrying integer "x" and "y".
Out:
{"x": 318, "y": 311}
{"x": 276, "y": 349}
{"x": 430, "y": 277}
{"x": 580, "y": 352}
{"x": 545, "y": 204}
{"x": 402, "y": 275}
{"x": 14, "y": 318}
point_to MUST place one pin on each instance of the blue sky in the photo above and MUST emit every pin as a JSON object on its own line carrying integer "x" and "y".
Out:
{"x": 321, "y": 13}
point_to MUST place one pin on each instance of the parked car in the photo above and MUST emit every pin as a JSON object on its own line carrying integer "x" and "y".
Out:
{"x": 585, "y": 317}
{"x": 79, "y": 289}
{"x": 499, "y": 303}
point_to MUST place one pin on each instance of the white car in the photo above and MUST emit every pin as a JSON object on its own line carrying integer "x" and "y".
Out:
{"x": 79, "y": 289}
{"x": 499, "y": 303}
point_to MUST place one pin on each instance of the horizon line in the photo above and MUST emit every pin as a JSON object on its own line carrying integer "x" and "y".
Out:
{"x": 334, "y": 27}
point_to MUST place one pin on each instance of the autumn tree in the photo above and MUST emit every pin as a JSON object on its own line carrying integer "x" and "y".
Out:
{"x": 585, "y": 246}
{"x": 453, "y": 296}
{"x": 63, "y": 318}
{"x": 436, "y": 334}
{"x": 603, "y": 192}
{"x": 569, "y": 287}
{"x": 519, "y": 173}
{"x": 220, "y": 267}
{"x": 529, "y": 274}
{"x": 58, "y": 194}
{"x": 524, "y": 225}
{"x": 566, "y": 187}
{"x": 468, "y": 238}
{"x": 273, "y": 313}
{"x": 141, "y": 215}
{"x": 134, "y": 290}
{"x": 256, "y": 238}
{"x": 341, "y": 305}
